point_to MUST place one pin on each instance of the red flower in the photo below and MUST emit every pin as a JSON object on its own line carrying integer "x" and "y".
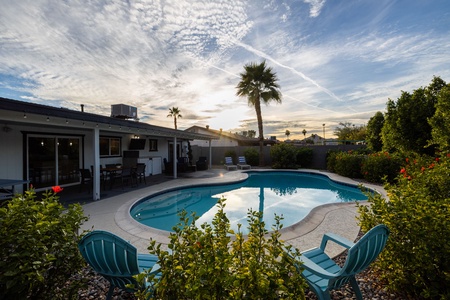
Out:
{"x": 403, "y": 170}
{"x": 57, "y": 189}
{"x": 436, "y": 159}
{"x": 407, "y": 159}
{"x": 448, "y": 155}
{"x": 198, "y": 244}
{"x": 431, "y": 166}
{"x": 422, "y": 169}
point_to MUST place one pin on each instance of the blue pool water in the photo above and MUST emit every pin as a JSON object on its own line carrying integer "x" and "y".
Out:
{"x": 290, "y": 194}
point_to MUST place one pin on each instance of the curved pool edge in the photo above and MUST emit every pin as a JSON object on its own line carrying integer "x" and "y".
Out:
{"x": 342, "y": 215}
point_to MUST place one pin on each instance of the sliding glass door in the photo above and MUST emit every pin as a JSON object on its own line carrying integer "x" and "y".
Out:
{"x": 53, "y": 160}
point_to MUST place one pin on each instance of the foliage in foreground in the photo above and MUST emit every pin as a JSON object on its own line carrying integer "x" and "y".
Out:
{"x": 206, "y": 263}
{"x": 416, "y": 259}
{"x": 39, "y": 240}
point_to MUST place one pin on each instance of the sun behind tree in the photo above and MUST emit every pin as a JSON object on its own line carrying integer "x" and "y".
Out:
{"x": 259, "y": 83}
{"x": 175, "y": 113}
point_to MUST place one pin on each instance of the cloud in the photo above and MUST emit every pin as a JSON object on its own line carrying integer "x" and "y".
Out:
{"x": 335, "y": 63}
{"x": 315, "y": 7}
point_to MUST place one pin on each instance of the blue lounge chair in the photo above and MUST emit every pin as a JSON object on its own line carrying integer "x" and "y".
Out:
{"x": 242, "y": 163}
{"x": 229, "y": 164}
{"x": 323, "y": 274}
{"x": 115, "y": 259}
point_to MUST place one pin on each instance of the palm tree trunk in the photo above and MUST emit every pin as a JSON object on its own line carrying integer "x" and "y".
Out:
{"x": 175, "y": 122}
{"x": 260, "y": 130}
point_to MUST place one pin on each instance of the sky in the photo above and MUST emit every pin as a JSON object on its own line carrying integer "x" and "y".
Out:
{"x": 336, "y": 61}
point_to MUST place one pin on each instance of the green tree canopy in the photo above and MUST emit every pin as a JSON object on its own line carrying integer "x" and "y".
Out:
{"x": 406, "y": 127}
{"x": 440, "y": 122}
{"x": 348, "y": 131}
{"x": 373, "y": 137}
{"x": 259, "y": 84}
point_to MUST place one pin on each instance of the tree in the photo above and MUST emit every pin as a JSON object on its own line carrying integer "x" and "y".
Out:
{"x": 304, "y": 133}
{"x": 175, "y": 113}
{"x": 406, "y": 126}
{"x": 374, "y": 127}
{"x": 349, "y": 131}
{"x": 440, "y": 122}
{"x": 287, "y": 133}
{"x": 259, "y": 83}
{"x": 251, "y": 133}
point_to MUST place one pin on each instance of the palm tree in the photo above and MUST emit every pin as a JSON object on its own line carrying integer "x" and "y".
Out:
{"x": 175, "y": 113}
{"x": 258, "y": 83}
{"x": 287, "y": 133}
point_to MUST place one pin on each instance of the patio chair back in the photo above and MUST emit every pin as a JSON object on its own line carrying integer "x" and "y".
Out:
{"x": 110, "y": 256}
{"x": 115, "y": 259}
{"x": 323, "y": 274}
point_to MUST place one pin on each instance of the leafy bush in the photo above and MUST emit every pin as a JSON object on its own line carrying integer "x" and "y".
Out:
{"x": 348, "y": 164}
{"x": 381, "y": 166}
{"x": 304, "y": 157}
{"x": 232, "y": 154}
{"x": 205, "y": 263}
{"x": 416, "y": 259}
{"x": 284, "y": 156}
{"x": 251, "y": 156}
{"x": 39, "y": 240}
{"x": 331, "y": 160}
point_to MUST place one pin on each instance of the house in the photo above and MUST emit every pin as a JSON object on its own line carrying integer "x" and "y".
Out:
{"x": 225, "y": 139}
{"x": 46, "y": 146}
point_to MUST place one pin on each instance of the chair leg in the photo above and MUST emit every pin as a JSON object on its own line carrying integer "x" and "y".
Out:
{"x": 110, "y": 291}
{"x": 356, "y": 289}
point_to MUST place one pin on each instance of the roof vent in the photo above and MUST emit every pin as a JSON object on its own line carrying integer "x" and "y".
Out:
{"x": 122, "y": 111}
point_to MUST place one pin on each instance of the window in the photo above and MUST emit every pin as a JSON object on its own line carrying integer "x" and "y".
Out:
{"x": 110, "y": 146}
{"x": 153, "y": 145}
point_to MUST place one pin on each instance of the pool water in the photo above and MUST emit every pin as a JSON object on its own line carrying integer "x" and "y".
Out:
{"x": 289, "y": 194}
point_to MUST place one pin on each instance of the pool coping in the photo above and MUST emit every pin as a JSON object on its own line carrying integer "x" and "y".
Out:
{"x": 113, "y": 214}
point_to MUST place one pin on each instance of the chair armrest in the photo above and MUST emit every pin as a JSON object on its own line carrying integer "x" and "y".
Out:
{"x": 337, "y": 239}
{"x": 314, "y": 268}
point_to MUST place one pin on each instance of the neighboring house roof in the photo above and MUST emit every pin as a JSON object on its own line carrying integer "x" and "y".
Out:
{"x": 25, "y": 112}
{"x": 241, "y": 140}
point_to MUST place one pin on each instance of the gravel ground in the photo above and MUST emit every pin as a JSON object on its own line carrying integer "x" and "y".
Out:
{"x": 371, "y": 287}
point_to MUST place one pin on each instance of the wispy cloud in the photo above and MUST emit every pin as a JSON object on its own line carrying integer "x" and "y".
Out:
{"x": 336, "y": 61}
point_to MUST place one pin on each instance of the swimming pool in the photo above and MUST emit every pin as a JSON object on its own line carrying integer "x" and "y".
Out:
{"x": 291, "y": 194}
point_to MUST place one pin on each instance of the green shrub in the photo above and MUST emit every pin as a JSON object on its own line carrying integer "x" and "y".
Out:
{"x": 304, "y": 157}
{"x": 284, "y": 156}
{"x": 416, "y": 259}
{"x": 381, "y": 166}
{"x": 205, "y": 263}
{"x": 232, "y": 154}
{"x": 348, "y": 164}
{"x": 331, "y": 160}
{"x": 39, "y": 252}
{"x": 251, "y": 156}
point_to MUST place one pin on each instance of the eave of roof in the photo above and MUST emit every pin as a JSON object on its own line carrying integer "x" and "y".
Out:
{"x": 64, "y": 113}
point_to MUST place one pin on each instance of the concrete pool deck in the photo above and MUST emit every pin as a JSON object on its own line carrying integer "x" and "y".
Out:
{"x": 112, "y": 214}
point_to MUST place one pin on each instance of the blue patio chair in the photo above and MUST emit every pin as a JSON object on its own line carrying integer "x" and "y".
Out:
{"x": 323, "y": 274}
{"x": 115, "y": 259}
{"x": 229, "y": 163}
{"x": 242, "y": 163}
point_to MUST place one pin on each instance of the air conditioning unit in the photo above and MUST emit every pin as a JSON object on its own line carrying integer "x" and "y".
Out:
{"x": 123, "y": 111}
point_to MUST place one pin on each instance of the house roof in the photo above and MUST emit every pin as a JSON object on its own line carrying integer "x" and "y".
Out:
{"x": 45, "y": 115}
{"x": 234, "y": 136}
